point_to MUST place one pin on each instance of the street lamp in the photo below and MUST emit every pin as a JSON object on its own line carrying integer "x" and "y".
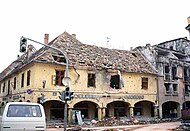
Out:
{"x": 65, "y": 80}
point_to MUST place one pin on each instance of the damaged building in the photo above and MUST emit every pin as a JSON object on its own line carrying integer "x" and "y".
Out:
{"x": 171, "y": 59}
{"x": 106, "y": 82}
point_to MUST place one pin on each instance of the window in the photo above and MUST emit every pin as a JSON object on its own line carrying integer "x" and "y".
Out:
{"x": 175, "y": 90}
{"x": 24, "y": 111}
{"x": 115, "y": 82}
{"x": 167, "y": 88}
{"x": 14, "y": 83}
{"x": 9, "y": 85}
{"x": 167, "y": 69}
{"x": 28, "y": 77}
{"x": 91, "y": 80}
{"x": 174, "y": 73}
{"x": 167, "y": 73}
{"x": 187, "y": 89}
{"x": 59, "y": 58}
{"x": 22, "y": 80}
{"x": 4, "y": 87}
{"x": 186, "y": 74}
{"x": 144, "y": 83}
{"x": 59, "y": 76}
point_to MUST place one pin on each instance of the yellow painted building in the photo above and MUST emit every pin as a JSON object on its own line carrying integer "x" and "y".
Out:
{"x": 106, "y": 82}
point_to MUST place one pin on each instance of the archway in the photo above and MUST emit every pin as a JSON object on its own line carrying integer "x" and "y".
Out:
{"x": 186, "y": 105}
{"x": 54, "y": 110}
{"x": 88, "y": 109}
{"x": 144, "y": 109}
{"x": 118, "y": 109}
{"x": 170, "y": 109}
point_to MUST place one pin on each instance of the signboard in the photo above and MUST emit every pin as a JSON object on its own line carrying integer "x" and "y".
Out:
{"x": 29, "y": 91}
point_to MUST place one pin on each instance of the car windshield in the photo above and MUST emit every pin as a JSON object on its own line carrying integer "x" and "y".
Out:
{"x": 24, "y": 111}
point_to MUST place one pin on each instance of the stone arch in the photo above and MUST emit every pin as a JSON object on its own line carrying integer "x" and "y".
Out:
{"x": 144, "y": 108}
{"x": 71, "y": 104}
{"x": 118, "y": 109}
{"x": 88, "y": 109}
{"x": 54, "y": 109}
{"x": 170, "y": 109}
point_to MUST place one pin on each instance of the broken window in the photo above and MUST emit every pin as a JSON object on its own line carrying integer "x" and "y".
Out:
{"x": 167, "y": 88}
{"x": 174, "y": 73}
{"x": 9, "y": 85}
{"x": 22, "y": 80}
{"x": 28, "y": 77}
{"x": 115, "y": 82}
{"x": 59, "y": 76}
{"x": 185, "y": 75}
{"x": 167, "y": 69}
{"x": 14, "y": 83}
{"x": 91, "y": 80}
{"x": 175, "y": 90}
{"x": 144, "y": 83}
{"x": 59, "y": 58}
{"x": 187, "y": 89}
{"x": 167, "y": 73}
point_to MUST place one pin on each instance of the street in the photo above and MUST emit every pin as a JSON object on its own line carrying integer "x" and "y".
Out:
{"x": 148, "y": 127}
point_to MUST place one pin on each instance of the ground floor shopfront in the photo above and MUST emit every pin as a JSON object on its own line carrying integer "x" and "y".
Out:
{"x": 93, "y": 106}
{"x": 91, "y": 109}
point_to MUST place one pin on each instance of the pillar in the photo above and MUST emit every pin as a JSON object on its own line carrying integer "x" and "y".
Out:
{"x": 155, "y": 110}
{"x": 103, "y": 112}
{"x": 99, "y": 113}
{"x": 131, "y": 111}
{"x": 69, "y": 115}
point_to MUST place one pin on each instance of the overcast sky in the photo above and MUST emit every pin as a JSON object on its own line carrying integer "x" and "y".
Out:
{"x": 128, "y": 23}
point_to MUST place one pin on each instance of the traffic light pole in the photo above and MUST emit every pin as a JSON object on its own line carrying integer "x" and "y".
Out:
{"x": 66, "y": 74}
{"x": 65, "y": 116}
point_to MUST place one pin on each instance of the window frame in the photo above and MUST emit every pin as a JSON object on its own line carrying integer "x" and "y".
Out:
{"x": 91, "y": 80}
{"x": 22, "y": 80}
{"x": 144, "y": 83}
{"x": 28, "y": 77}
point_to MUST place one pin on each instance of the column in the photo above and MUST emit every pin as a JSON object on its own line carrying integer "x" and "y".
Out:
{"x": 69, "y": 115}
{"x": 131, "y": 111}
{"x": 155, "y": 110}
{"x": 103, "y": 112}
{"x": 99, "y": 113}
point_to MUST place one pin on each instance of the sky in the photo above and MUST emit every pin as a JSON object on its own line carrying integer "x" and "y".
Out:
{"x": 127, "y": 23}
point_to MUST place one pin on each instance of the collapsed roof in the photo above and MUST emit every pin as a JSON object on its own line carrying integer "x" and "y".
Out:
{"x": 82, "y": 56}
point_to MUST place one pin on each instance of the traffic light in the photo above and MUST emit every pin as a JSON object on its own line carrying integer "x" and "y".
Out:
{"x": 67, "y": 93}
{"x": 62, "y": 95}
{"x": 41, "y": 98}
{"x": 71, "y": 95}
{"x": 23, "y": 44}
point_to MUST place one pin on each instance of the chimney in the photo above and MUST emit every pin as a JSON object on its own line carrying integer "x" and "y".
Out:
{"x": 74, "y": 35}
{"x": 46, "y": 38}
{"x": 131, "y": 48}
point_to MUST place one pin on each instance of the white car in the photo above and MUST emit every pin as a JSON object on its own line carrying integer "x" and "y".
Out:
{"x": 19, "y": 116}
